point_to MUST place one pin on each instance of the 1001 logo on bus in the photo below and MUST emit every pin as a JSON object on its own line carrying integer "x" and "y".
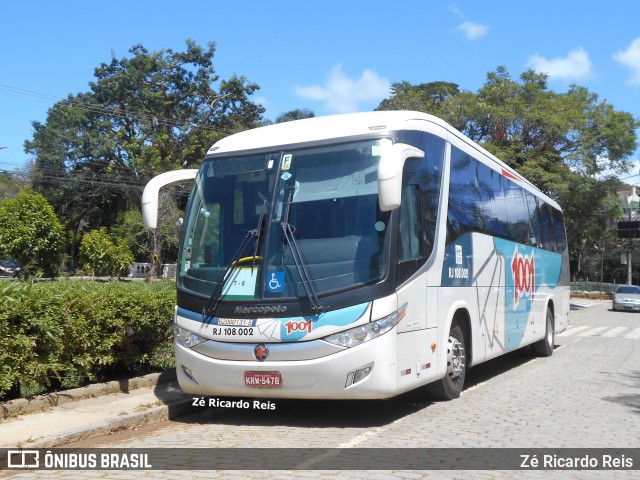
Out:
{"x": 523, "y": 270}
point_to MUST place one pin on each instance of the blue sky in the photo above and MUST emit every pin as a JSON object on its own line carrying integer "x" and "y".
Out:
{"x": 330, "y": 56}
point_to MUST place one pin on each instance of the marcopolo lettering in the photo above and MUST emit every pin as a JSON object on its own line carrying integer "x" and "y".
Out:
{"x": 260, "y": 309}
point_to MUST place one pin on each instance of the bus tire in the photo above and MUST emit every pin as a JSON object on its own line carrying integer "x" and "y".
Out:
{"x": 450, "y": 387}
{"x": 544, "y": 347}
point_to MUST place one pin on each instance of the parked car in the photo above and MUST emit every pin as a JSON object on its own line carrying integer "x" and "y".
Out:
{"x": 9, "y": 267}
{"x": 627, "y": 297}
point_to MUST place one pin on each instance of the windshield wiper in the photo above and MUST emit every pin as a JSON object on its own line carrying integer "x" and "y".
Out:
{"x": 258, "y": 233}
{"x": 216, "y": 296}
{"x": 287, "y": 231}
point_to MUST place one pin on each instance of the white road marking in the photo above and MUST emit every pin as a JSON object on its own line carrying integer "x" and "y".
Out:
{"x": 572, "y": 331}
{"x": 634, "y": 334}
{"x": 593, "y": 331}
{"x": 614, "y": 332}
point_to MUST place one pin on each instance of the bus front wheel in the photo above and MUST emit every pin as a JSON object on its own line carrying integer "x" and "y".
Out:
{"x": 451, "y": 385}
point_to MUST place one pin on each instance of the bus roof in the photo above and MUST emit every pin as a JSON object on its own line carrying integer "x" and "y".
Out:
{"x": 319, "y": 128}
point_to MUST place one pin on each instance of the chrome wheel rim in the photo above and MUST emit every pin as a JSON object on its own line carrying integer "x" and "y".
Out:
{"x": 549, "y": 331}
{"x": 455, "y": 358}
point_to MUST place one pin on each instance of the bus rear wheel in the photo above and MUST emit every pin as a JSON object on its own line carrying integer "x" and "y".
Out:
{"x": 544, "y": 347}
{"x": 451, "y": 385}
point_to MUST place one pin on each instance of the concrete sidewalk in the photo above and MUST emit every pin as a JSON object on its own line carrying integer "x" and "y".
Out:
{"x": 61, "y": 418}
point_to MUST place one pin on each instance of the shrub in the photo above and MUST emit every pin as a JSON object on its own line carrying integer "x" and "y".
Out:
{"x": 65, "y": 334}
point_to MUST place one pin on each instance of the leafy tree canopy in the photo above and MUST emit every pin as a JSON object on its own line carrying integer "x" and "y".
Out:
{"x": 10, "y": 184}
{"x": 523, "y": 121}
{"x": 31, "y": 233}
{"x": 426, "y": 97}
{"x": 103, "y": 256}
{"x": 144, "y": 114}
{"x": 295, "y": 114}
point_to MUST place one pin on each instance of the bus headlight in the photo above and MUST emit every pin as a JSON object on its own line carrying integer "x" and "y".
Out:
{"x": 364, "y": 333}
{"x": 186, "y": 338}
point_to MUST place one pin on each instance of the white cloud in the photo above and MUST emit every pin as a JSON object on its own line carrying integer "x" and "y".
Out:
{"x": 342, "y": 94}
{"x": 631, "y": 58}
{"x": 575, "y": 66}
{"x": 471, "y": 30}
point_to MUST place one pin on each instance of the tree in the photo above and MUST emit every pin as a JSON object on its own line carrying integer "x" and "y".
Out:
{"x": 130, "y": 228}
{"x": 161, "y": 244}
{"x": 31, "y": 233}
{"x": 589, "y": 222}
{"x": 144, "y": 114}
{"x": 426, "y": 97}
{"x": 165, "y": 238}
{"x": 10, "y": 184}
{"x": 104, "y": 257}
{"x": 295, "y": 114}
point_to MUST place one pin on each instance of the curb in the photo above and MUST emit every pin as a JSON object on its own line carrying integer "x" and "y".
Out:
{"x": 39, "y": 403}
{"x": 127, "y": 422}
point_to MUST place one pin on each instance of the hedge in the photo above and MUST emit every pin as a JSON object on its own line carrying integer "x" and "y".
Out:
{"x": 69, "y": 333}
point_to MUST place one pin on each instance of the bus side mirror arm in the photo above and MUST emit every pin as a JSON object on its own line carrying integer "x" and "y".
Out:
{"x": 390, "y": 174}
{"x": 151, "y": 193}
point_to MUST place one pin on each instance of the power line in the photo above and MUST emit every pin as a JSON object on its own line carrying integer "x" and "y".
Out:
{"x": 112, "y": 112}
{"x": 97, "y": 181}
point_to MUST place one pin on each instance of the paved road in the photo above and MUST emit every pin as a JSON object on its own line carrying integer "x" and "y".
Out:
{"x": 587, "y": 395}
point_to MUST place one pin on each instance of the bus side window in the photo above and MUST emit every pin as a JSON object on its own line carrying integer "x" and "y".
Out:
{"x": 560, "y": 234}
{"x": 411, "y": 244}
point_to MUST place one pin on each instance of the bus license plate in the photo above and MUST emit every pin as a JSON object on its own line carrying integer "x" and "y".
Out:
{"x": 262, "y": 379}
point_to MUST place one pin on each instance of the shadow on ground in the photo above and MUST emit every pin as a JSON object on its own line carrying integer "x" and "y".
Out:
{"x": 340, "y": 413}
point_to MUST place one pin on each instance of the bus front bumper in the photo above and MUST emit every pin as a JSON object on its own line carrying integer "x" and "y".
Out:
{"x": 367, "y": 371}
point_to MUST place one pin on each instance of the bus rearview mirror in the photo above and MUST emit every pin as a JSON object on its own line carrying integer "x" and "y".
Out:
{"x": 390, "y": 173}
{"x": 152, "y": 191}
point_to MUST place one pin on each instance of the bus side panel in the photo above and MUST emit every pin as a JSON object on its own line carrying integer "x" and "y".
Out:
{"x": 417, "y": 360}
{"x": 505, "y": 287}
{"x": 473, "y": 279}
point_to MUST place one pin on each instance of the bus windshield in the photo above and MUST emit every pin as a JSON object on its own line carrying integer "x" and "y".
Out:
{"x": 288, "y": 224}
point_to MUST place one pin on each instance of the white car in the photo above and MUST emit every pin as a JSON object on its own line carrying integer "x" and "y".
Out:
{"x": 626, "y": 297}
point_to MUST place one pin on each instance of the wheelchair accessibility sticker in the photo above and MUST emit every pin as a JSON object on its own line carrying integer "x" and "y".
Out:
{"x": 275, "y": 282}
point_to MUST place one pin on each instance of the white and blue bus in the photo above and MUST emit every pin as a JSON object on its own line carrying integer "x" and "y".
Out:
{"x": 359, "y": 256}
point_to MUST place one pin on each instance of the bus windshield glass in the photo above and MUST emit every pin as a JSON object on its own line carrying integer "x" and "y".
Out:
{"x": 289, "y": 224}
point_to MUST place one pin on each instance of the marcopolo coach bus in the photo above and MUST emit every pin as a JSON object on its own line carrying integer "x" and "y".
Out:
{"x": 358, "y": 257}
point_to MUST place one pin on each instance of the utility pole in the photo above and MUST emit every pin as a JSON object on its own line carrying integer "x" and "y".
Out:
{"x": 629, "y": 270}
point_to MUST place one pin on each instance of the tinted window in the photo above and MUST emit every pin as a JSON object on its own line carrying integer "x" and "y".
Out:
{"x": 420, "y": 199}
{"x": 630, "y": 289}
{"x": 494, "y": 205}
{"x": 483, "y": 200}
{"x": 465, "y": 206}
